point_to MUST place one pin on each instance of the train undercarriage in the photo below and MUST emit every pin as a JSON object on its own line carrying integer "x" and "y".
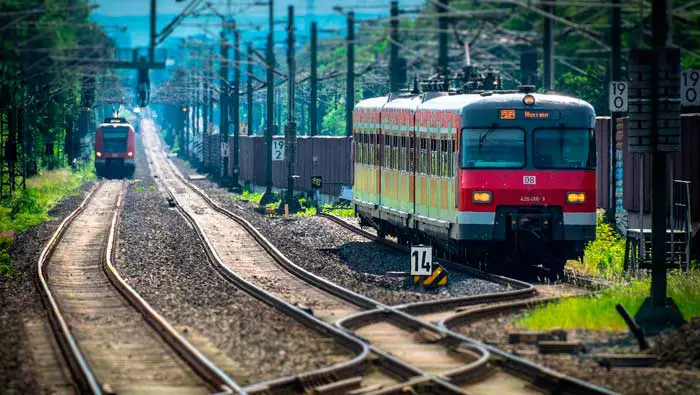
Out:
{"x": 527, "y": 242}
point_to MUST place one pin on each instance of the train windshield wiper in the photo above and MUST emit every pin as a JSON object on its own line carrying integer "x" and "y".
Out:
{"x": 483, "y": 138}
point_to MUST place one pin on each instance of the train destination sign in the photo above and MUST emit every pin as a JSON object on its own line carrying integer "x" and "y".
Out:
{"x": 513, "y": 114}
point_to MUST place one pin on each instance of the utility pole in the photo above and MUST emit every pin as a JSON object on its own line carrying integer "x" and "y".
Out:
{"x": 313, "y": 100}
{"x": 154, "y": 35}
{"x": 290, "y": 132}
{"x": 615, "y": 75}
{"x": 548, "y": 48}
{"x": 394, "y": 53}
{"x": 350, "y": 88}
{"x": 249, "y": 91}
{"x": 268, "y": 197}
{"x": 659, "y": 312}
{"x": 443, "y": 24}
{"x": 236, "y": 108}
{"x": 206, "y": 156}
{"x": 220, "y": 172}
{"x": 210, "y": 87}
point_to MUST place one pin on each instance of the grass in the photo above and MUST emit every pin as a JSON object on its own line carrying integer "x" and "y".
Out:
{"x": 598, "y": 312}
{"x": 31, "y": 207}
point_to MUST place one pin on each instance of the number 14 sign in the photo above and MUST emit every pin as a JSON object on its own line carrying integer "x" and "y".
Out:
{"x": 421, "y": 261}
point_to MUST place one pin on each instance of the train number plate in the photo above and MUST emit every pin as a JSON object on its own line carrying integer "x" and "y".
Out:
{"x": 529, "y": 180}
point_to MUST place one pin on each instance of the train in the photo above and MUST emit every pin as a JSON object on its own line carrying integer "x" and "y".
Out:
{"x": 502, "y": 178}
{"x": 115, "y": 148}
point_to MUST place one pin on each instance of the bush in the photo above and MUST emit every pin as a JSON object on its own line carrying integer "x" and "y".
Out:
{"x": 31, "y": 207}
{"x": 604, "y": 256}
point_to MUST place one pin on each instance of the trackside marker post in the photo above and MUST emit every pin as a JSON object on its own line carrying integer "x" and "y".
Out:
{"x": 423, "y": 271}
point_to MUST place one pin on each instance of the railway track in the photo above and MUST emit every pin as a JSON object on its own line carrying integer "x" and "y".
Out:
{"x": 440, "y": 361}
{"x": 112, "y": 340}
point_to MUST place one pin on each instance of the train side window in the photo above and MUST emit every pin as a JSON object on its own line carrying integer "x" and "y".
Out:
{"x": 410, "y": 154}
{"x": 444, "y": 168}
{"x": 362, "y": 146}
{"x": 368, "y": 148}
{"x": 387, "y": 152}
{"x": 395, "y": 153}
{"x": 403, "y": 165}
{"x": 454, "y": 157}
{"x": 448, "y": 155}
{"x": 421, "y": 156}
{"x": 433, "y": 158}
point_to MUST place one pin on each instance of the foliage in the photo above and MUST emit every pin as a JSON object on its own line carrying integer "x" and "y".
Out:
{"x": 604, "y": 256}
{"x": 247, "y": 196}
{"x": 598, "y": 312}
{"x": 31, "y": 207}
{"x": 339, "y": 210}
{"x": 41, "y": 40}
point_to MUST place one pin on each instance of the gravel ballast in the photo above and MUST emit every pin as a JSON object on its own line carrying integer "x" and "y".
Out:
{"x": 30, "y": 361}
{"x": 337, "y": 254}
{"x": 160, "y": 255}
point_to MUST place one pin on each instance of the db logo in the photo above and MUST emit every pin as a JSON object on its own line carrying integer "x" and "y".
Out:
{"x": 529, "y": 180}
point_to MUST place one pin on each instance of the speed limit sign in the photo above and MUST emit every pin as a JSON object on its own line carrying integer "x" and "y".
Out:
{"x": 618, "y": 96}
{"x": 690, "y": 88}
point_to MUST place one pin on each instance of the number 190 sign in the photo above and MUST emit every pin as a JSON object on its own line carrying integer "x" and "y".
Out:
{"x": 690, "y": 88}
{"x": 618, "y": 96}
{"x": 421, "y": 261}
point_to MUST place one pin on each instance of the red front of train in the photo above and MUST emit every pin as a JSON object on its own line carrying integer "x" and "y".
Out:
{"x": 527, "y": 182}
{"x": 115, "y": 148}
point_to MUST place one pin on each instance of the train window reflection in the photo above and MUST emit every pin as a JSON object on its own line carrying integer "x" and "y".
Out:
{"x": 493, "y": 148}
{"x": 563, "y": 149}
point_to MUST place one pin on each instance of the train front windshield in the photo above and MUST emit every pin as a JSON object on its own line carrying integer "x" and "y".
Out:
{"x": 115, "y": 139}
{"x": 498, "y": 148}
{"x": 563, "y": 149}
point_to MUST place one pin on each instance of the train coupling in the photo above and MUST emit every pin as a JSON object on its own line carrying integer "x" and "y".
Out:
{"x": 530, "y": 222}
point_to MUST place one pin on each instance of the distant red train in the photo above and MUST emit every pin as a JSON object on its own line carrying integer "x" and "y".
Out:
{"x": 115, "y": 148}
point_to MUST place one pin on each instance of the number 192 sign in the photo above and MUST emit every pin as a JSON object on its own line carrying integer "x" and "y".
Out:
{"x": 421, "y": 261}
{"x": 278, "y": 150}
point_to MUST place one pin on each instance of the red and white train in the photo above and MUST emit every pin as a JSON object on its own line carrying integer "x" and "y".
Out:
{"x": 502, "y": 177}
{"x": 115, "y": 148}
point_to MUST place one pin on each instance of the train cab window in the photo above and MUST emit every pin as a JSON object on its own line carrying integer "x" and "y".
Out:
{"x": 563, "y": 149}
{"x": 501, "y": 148}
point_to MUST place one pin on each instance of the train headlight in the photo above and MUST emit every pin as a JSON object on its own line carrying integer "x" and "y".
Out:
{"x": 529, "y": 100}
{"x": 98, "y": 154}
{"x": 482, "y": 197}
{"x": 575, "y": 197}
{"x": 130, "y": 153}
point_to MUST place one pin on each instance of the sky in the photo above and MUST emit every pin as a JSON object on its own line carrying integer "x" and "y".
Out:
{"x": 134, "y": 14}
